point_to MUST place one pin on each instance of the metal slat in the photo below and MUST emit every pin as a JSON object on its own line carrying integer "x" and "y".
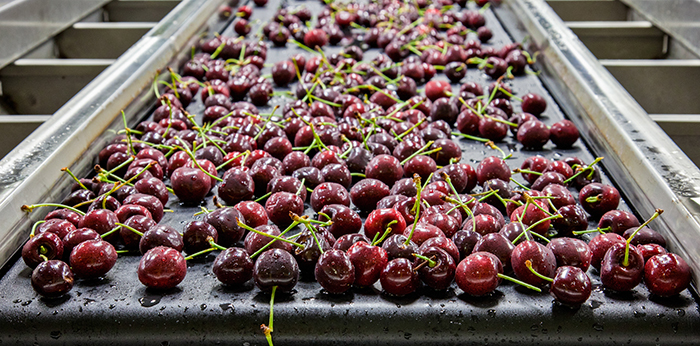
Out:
{"x": 100, "y": 40}
{"x": 589, "y": 10}
{"x": 621, "y": 40}
{"x": 139, "y": 10}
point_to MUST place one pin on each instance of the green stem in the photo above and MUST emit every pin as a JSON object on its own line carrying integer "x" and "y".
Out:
{"x": 522, "y": 283}
{"x": 625, "y": 261}
{"x": 30, "y": 208}
{"x": 528, "y": 264}
{"x": 129, "y": 228}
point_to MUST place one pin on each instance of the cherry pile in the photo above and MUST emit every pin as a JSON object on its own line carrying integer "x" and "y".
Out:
{"x": 359, "y": 141}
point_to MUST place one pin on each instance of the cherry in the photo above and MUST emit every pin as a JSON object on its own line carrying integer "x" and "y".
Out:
{"x": 444, "y": 109}
{"x": 329, "y": 193}
{"x": 153, "y": 204}
{"x": 498, "y": 245}
{"x": 76, "y": 237}
{"x": 573, "y": 219}
{"x": 446, "y": 223}
{"x": 92, "y": 258}
{"x": 294, "y": 161}
{"x": 126, "y": 211}
{"x": 237, "y": 185}
{"x": 255, "y": 241}
{"x": 649, "y": 250}
{"x": 312, "y": 176}
{"x": 233, "y": 266}
{"x": 59, "y": 227}
{"x": 571, "y": 286}
{"x": 344, "y": 220}
{"x": 645, "y": 235}
{"x": 368, "y": 260}
{"x": 600, "y": 244}
{"x": 345, "y": 242}
{"x": 492, "y": 168}
{"x": 482, "y": 224}
{"x": 533, "y": 164}
{"x": 385, "y": 168}
{"x": 597, "y": 199}
{"x": 190, "y": 185}
{"x": 436, "y": 89}
{"x": 280, "y": 205}
{"x": 492, "y": 129}
{"x": 381, "y": 220}
{"x": 398, "y": 277}
{"x": 52, "y": 278}
{"x": 617, "y": 275}
{"x": 64, "y": 214}
{"x": 442, "y": 243}
{"x": 396, "y": 245}
{"x": 100, "y": 220}
{"x": 159, "y": 236}
{"x": 47, "y": 244}
{"x": 315, "y": 38}
{"x": 162, "y": 268}
{"x": 571, "y": 252}
{"x": 276, "y": 268}
{"x": 225, "y": 222}
{"x": 541, "y": 258}
{"x": 307, "y": 255}
{"x": 197, "y": 236}
{"x": 334, "y": 271}
{"x": 367, "y": 192}
{"x": 533, "y": 134}
{"x": 253, "y": 213}
{"x": 139, "y": 223}
{"x": 666, "y": 275}
{"x": 563, "y": 133}
{"x": 618, "y": 221}
{"x": 439, "y": 272}
{"x": 478, "y": 273}
{"x": 533, "y": 104}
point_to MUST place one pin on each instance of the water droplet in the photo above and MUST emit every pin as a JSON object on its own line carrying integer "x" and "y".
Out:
{"x": 203, "y": 307}
{"x": 112, "y": 306}
{"x": 598, "y": 327}
{"x": 638, "y": 314}
{"x": 226, "y": 306}
{"x": 56, "y": 334}
{"x": 26, "y": 302}
{"x": 407, "y": 336}
{"x": 149, "y": 301}
{"x": 680, "y": 312}
{"x": 17, "y": 301}
{"x": 596, "y": 304}
{"x": 674, "y": 325}
{"x": 491, "y": 313}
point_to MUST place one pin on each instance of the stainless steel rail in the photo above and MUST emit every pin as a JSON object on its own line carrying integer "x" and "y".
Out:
{"x": 31, "y": 172}
{"x": 648, "y": 167}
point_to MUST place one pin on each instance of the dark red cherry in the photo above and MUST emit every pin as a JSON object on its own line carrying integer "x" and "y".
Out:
{"x": 498, "y": 245}
{"x": 334, "y": 271}
{"x": 395, "y": 246}
{"x": 233, "y": 266}
{"x": 571, "y": 252}
{"x": 447, "y": 223}
{"x": 161, "y": 235}
{"x": 329, "y": 193}
{"x": 666, "y": 275}
{"x": 562, "y": 195}
{"x": 100, "y": 220}
{"x": 254, "y": 241}
{"x": 190, "y": 185}
{"x": 617, "y": 275}
{"x": 225, "y": 222}
{"x": 465, "y": 242}
{"x": 597, "y": 199}
{"x": 600, "y": 244}
{"x": 345, "y": 242}
{"x": 345, "y": 220}
{"x": 138, "y": 222}
{"x": 45, "y": 244}
{"x": 618, "y": 221}
{"x": 315, "y": 38}
{"x": 237, "y": 185}
{"x": 571, "y": 286}
{"x": 76, "y": 237}
{"x": 450, "y": 152}
{"x": 59, "y": 227}
{"x": 279, "y": 206}
{"x": 92, "y": 258}
{"x": 440, "y": 275}
{"x": 443, "y": 243}
{"x": 162, "y": 268}
{"x": 253, "y": 213}
{"x": 368, "y": 261}
{"x": 126, "y": 211}
{"x": 573, "y": 219}
{"x": 196, "y": 236}
{"x": 398, "y": 277}
{"x": 542, "y": 259}
{"x": 422, "y": 233}
{"x": 492, "y": 129}
{"x": 477, "y": 274}
{"x": 377, "y": 222}
{"x": 492, "y": 168}
{"x": 649, "y": 250}
{"x": 645, "y": 235}
{"x": 533, "y": 134}
{"x": 436, "y": 89}
{"x": 153, "y": 204}
{"x": 64, "y": 214}
{"x": 533, "y": 104}
{"x": 276, "y": 267}
{"x": 482, "y": 224}
{"x": 367, "y": 192}
{"x": 563, "y": 134}
{"x": 52, "y": 279}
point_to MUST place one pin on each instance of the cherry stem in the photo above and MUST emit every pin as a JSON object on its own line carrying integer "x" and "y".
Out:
{"x": 301, "y": 187}
{"x": 241, "y": 224}
{"x": 44, "y": 258}
{"x": 526, "y": 171}
{"x": 264, "y": 247}
{"x": 528, "y": 264}
{"x": 522, "y": 283}
{"x": 417, "y": 205}
{"x": 189, "y": 153}
{"x": 493, "y": 146}
{"x": 525, "y": 233}
{"x": 419, "y": 152}
{"x": 65, "y": 169}
{"x": 129, "y": 228}
{"x": 246, "y": 153}
{"x": 625, "y": 261}
{"x": 36, "y": 224}
{"x": 480, "y": 139}
{"x": 264, "y": 196}
{"x": 587, "y": 168}
{"x": 267, "y": 330}
{"x": 107, "y": 234}
{"x": 200, "y": 253}
{"x": 361, "y": 175}
{"x": 431, "y": 263}
{"x": 30, "y": 208}
{"x": 597, "y": 230}
{"x": 399, "y": 137}
{"x": 519, "y": 184}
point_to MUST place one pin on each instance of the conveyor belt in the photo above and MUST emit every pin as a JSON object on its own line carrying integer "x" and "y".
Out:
{"x": 119, "y": 310}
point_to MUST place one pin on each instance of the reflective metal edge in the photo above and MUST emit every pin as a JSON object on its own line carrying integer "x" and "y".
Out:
{"x": 31, "y": 172}
{"x": 642, "y": 160}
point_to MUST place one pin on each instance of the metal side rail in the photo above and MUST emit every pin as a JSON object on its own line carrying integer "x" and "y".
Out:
{"x": 31, "y": 172}
{"x": 646, "y": 164}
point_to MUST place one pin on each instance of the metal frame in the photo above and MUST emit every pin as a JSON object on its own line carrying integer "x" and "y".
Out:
{"x": 31, "y": 172}
{"x": 643, "y": 161}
